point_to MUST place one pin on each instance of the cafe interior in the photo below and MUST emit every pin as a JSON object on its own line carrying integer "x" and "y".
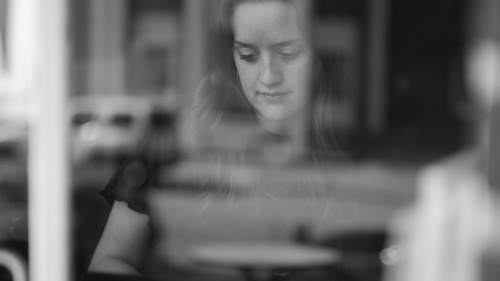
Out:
{"x": 409, "y": 194}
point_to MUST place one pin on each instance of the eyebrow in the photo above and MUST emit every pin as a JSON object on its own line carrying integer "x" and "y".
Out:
{"x": 278, "y": 45}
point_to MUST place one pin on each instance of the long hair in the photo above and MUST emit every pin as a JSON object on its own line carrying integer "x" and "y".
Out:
{"x": 220, "y": 96}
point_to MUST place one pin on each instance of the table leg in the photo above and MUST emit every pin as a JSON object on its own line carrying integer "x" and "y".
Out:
{"x": 248, "y": 274}
{"x": 272, "y": 275}
{"x": 282, "y": 275}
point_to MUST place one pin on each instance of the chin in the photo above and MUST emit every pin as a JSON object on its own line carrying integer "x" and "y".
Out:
{"x": 275, "y": 116}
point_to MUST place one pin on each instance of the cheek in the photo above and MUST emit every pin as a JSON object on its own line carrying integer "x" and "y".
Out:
{"x": 246, "y": 75}
{"x": 301, "y": 76}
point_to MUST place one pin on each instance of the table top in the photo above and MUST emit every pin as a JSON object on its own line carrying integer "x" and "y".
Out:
{"x": 263, "y": 255}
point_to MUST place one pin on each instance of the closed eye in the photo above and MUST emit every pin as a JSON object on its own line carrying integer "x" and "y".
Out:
{"x": 249, "y": 57}
{"x": 289, "y": 55}
{"x": 290, "y": 52}
{"x": 246, "y": 52}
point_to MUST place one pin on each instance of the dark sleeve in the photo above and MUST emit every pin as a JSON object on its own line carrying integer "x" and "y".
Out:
{"x": 129, "y": 184}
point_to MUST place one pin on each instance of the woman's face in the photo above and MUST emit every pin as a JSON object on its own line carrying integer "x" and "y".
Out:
{"x": 273, "y": 59}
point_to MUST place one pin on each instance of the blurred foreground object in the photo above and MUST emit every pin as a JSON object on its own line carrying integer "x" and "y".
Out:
{"x": 451, "y": 232}
{"x": 442, "y": 237}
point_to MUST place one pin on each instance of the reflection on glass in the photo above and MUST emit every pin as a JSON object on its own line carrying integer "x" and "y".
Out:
{"x": 266, "y": 163}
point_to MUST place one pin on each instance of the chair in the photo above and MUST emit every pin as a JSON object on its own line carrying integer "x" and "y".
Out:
{"x": 14, "y": 263}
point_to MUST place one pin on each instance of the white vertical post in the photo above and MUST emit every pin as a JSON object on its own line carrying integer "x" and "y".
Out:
{"x": 48, "y": 163}
{"x": 21, "y": 35}
{"x": 377, "y": 65}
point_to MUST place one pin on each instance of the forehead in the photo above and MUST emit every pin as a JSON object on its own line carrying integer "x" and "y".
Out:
{"x": 268, "y": 20}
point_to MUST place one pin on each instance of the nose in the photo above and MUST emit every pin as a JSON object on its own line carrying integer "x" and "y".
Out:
{"x": 271, "y": 75}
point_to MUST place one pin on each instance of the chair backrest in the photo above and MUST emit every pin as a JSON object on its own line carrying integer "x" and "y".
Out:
{"x": 15, "y": 264}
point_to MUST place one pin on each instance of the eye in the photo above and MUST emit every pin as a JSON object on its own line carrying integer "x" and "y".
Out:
{"x": 247, "y": 54}
{"x": 249, "y": 57}
{"x": 289, "y": 54}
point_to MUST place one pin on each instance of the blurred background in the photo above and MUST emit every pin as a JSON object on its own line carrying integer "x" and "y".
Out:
{"x": 135, "y": 66}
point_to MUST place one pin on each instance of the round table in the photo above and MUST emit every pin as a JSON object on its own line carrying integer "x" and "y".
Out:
{"x": 281, "y": 260}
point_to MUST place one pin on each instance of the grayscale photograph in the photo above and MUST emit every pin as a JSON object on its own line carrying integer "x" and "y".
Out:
{"x": 249, "y": 140}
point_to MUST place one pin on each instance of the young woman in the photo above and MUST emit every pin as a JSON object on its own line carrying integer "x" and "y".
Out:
{"x": 276, "y": 76}
{"x": 261, "y": 61}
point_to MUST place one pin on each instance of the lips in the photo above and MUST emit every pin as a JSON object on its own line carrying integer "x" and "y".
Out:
{"x": 273, "y": 96}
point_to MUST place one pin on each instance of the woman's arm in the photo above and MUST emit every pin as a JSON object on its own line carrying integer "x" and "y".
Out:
{"x": 123, "y": 242}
